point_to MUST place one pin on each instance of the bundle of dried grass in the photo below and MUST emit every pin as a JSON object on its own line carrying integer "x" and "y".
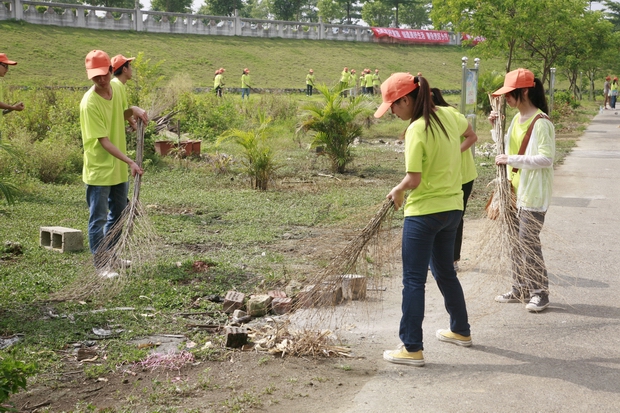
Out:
{"x": 279, "y": 339}
{"x": 126, "y": 247}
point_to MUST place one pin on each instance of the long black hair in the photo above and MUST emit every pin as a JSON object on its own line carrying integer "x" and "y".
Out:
{"x": 536, "y": 95}
{"x": 423, "y": 105}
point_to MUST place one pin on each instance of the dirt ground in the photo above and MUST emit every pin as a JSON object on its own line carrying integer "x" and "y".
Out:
{"x": 247, "y": 381}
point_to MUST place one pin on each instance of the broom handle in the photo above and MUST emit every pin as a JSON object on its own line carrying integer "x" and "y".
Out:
{"x": 139, "y": 155}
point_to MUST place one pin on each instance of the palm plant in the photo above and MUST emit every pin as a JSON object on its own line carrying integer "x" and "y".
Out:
{"x": 259, "y": 159}
{"x": 335, "y": 123}
{"x": 7, "y": 189}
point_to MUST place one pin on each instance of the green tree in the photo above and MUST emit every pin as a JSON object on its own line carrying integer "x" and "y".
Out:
{"x": 340, "y": 11}
{"x": 222, "y": 7}
{"x": 172, "y": 6}
{"x": 416, "y": 14}
{"x": 255, "y": 9}
{"x": 612, "y": 11}
{"x": 291, "y": 10}
{"x": 123, "y": 4}
{"x": 377, "y": 13}
{"x": 335, "y": 123}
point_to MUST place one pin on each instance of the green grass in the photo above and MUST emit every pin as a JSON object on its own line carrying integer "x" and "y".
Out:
{"x": 49, "y": 55}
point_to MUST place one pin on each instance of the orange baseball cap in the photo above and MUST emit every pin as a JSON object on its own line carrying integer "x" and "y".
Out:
{"x": 5, "y": 60}
{"x": 394, "y": 88}
{"x": 608, "y": 78}
{"x": 516, "y": 79}
{"x": 119, "y": 60}
{"x": 97, "y": 63}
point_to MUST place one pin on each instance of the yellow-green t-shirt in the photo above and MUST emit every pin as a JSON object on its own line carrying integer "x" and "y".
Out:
{"x": 368, "y": 80}
{"x": 310, "y": 79}
{"x": 376, "y": 80}
{"x": 245, "y": 81}
{"x": 101, "y": 118}
{"x": 468, "y": 166}
{"x": 218, "y": 81}
{"x": 516, "y": 139}
{"x": 344, "y": 77}
{"x": 438, "y": 158}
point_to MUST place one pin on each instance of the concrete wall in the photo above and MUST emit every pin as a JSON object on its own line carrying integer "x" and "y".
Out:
{"x": 109, "y": 18}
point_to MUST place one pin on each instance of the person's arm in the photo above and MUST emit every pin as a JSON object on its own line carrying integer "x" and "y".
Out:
{"x": 470, "y": 138}
{"x": 17, "y": 107}
{"x": 397, "y": 194}
{"x": 114, "y": 151}
{"x": 546, "y": 150}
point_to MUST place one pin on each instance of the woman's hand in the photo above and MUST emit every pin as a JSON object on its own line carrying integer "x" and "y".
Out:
{"x": 501, "y": 159}
{"x": 493, "y": 117}
{"x": 397, "y": 196}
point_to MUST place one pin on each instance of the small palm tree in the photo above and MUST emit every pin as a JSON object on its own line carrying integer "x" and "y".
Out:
{"x": 335, "y": 124}
{"x": 259, "y": 156}
{"x": 7, "y": 189}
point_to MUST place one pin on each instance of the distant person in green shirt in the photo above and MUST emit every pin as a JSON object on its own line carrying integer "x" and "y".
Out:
{"x": 368, "y": 82}
{"x": 4, "y": 67}
{"x": 344, "y": 81}
{"x": 353, "y": 83}
{"x": 309, "y": 82}
{"x": 245, "y": 83}
{"x": 218, "y": 82}
{"x": 123, "y": 72}
{"x": 376, "y": 82}
{"x": 103, "y": 112}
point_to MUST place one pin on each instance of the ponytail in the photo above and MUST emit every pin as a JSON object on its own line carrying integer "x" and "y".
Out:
{"x": 424, "y": 107}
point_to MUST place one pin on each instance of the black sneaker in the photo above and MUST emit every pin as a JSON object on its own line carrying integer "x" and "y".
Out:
{"x": 512, "y": 296}
{"x": 538, "y": 303}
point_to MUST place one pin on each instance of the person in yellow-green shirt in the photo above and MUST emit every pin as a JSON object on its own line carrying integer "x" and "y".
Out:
{"x": 123, "y": 72}
{"x": 4, "y": 68}
{"x": 353, "y": 83}
{"x": 376, "y": 82}
{"x": 368, "y": 82}
{"x": 245, "y": 83}
{"x": 309, "y": 82}
{"x": 468, "y": 171}
{"x": 531, "y": 176}
{"x": 218, "y": 81}
{"x": 432, "y": 211}
{"x": 344, "y": 81}
{"x": 103, "y": 112}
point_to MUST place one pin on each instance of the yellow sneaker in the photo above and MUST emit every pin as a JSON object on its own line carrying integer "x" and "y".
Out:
{"x": 450, "y": 337}
{"x": 402, "y": 356}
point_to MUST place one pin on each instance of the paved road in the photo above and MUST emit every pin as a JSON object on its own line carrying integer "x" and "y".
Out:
{"x": 566, "y": 359}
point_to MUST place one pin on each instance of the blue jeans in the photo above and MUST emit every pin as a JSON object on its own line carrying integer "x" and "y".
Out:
{"x": 106, "y": 205}
{"x": 430, "y": 239}
{"x": 245, "y": 91}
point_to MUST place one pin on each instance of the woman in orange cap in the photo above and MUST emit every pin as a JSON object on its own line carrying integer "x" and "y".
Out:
{"x": 4, "y": 67}
{"x": 606, "y": 90}
{"x": 309, "y": 82}
{"x": 432, "y": 211}
{"x": 530, "y": 151}
{"x": 245, "y": 83}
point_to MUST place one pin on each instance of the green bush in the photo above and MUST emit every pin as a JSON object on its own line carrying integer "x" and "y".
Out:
{"x": 13, "y": 374}
{"x": 205, "y": 116}
{"x": 565, "y": 98}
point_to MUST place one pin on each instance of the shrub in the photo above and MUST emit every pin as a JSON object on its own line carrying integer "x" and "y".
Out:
{"x": 335, "y": 125}
{"x": 565, "y": 98}
{"x": 205, "y": 116}
{"x": 259, "y": 156}
{"x": 13, "y": 374}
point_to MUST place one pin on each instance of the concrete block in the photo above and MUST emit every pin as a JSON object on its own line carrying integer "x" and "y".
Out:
{"x": 61, "y": 239}
{"x": 354, "y": 287}
{"x": 236, "y": 336}
{"x": 259, "y": 305}
{"x": 276, "y": 294}
{"x": 281, "y": 305}
{"x": 233, "y": 301}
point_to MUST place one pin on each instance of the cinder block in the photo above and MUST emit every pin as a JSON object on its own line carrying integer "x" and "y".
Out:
{"x": 233, "y": 301}
{"x": 281, "y": 305}
{"x": 236, "y": 336}
{"x": 353, "y": 287}
{"x": 61, "y": 239}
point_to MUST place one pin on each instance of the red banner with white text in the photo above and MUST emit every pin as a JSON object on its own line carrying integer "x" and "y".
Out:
{"x": 413, "y": 35}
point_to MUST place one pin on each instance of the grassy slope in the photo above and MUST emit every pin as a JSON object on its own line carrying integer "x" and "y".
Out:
{"x": 55, "y": 55}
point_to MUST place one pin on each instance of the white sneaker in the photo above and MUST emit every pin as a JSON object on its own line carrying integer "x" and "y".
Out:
{"x": 107, "y": 274}
{"x": 124, "y": 263}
